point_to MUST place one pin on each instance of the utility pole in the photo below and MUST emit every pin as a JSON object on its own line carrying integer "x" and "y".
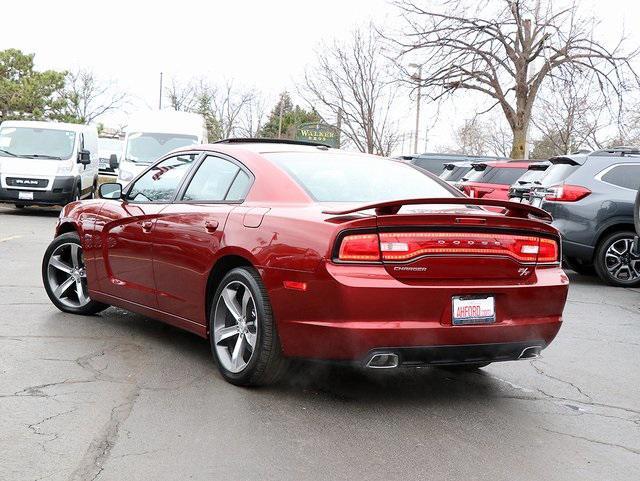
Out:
{"x": 418, "y": 78}
{"x": 339, "y": 125}
{"x": 160, "y": 101}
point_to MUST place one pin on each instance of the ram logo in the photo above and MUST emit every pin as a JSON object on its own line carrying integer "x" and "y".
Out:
{"x": 523, "y": 271}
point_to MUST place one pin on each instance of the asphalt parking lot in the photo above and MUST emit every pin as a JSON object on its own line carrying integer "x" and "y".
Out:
{"x": 121, "y": 397}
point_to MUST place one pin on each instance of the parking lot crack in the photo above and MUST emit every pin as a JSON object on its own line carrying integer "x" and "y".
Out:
{"x": 92, "y": 464}
{"x": 595, "y": 441}
{"x": 542, "y": 372}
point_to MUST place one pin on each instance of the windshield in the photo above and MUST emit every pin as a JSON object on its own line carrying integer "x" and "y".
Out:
{"x": 31, "y": 142}
{"x": 343, "y": 177}
{"x": 145, "y": 147}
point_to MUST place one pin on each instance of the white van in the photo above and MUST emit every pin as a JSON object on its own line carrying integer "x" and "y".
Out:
{"x": 150, "y": 135}
{"x": 47, "y": 163}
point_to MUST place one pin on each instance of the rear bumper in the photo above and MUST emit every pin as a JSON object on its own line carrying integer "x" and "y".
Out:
{"x": 348, "y": 312}
{"x": 61, "y": 193}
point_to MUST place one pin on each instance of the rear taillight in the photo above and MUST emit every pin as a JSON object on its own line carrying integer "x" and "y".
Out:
{"x": 566, "y": 193}
{"x": 406, "y": 246}
{"x": 360, "y": 247}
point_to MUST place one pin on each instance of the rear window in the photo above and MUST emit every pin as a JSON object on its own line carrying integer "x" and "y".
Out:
{"x": 557, "y": 173}
{"x": 432, "y": 165}
{"x": 531, "y": 175}
{"x": 500, "y": 175}
{"x": 344, "y": 177}
{"x": 454, "y": 174}
{"x": 627, "y": 176}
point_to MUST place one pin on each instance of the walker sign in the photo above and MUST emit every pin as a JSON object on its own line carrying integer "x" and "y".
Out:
{"x": 319, "y": 132}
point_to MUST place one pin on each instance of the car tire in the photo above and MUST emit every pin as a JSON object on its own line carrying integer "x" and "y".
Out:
{"x": 19, "y": 206}
{"x": 615, "y": 262}
{"x": 233, "y": 329}
{"x": 63, "y": 264}
{"x": 579, "y": 266}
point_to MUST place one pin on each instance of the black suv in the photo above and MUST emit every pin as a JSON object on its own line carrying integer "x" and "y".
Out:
{"x": 591, "y": 197}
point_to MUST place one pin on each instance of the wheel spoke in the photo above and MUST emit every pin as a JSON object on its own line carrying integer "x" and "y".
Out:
{"x": 62, "y": 288}
{"x": 80, "y": 291}
{"x": 246, "y": 297}
{"x": 251, "y": 338}
{"x": 75, "y": 255}
{"x": 224, "y": 333}
{"x": 58, "y": 264}
{"x": 229, "y": 298}
{"x": 238, "y": 351}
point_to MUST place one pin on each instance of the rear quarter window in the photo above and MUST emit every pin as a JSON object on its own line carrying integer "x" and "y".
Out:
{"x": 627, "y": 176}
{"x": 557, "y": 173}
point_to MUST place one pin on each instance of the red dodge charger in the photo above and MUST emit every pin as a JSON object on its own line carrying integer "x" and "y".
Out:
{"x": 277, "y": 250}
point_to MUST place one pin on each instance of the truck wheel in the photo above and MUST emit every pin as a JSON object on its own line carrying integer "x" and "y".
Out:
{"x": 615, "y": 261}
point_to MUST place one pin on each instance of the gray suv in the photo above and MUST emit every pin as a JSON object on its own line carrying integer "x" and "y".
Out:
{"x": 591, "y": 197}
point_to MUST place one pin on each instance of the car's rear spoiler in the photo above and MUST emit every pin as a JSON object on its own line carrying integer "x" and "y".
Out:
{"x": 513, "y": 209}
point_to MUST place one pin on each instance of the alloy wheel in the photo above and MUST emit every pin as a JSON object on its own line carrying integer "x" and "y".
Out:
{"x": 67, "y": 275}
{"x": 621, "y": 261}
{"x": 235, "y": 326}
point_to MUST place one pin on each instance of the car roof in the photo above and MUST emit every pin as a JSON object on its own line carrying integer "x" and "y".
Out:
{"x": 507, "y": 164}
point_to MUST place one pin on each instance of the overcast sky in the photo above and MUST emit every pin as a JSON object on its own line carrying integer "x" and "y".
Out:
{"x": 262, "y": 44}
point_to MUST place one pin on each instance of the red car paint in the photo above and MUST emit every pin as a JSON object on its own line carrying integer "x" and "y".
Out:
{"x": 159, "y": 260}
{"x": 491, "y": 189}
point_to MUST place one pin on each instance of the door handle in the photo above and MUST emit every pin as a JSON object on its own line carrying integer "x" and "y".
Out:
{"x": 211, "y": 225}
{"x": 147, "y": 225}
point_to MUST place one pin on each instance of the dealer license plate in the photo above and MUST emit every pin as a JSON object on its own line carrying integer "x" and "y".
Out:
{"x": 473, "y": 310}
{"x": 25, "y": 195}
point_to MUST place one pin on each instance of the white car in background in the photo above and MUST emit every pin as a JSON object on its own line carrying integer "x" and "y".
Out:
{"x": 150, "y": 135}
{"x": 47, "y": 163}
{"x": 109, "y": 149}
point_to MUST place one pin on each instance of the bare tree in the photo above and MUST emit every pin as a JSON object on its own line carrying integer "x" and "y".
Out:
{"x": 87, "y": 97}
{"x": 470, "y": 138}
{"x": 181, "y": 96}
{"x": 351, "y": 83}
{"x": 229, "y": 111}
{"x": 506, "y": 50}
{"x": 571, "y": 115}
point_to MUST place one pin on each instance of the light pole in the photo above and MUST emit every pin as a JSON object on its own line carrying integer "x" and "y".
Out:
{"x": 418, "y": 78}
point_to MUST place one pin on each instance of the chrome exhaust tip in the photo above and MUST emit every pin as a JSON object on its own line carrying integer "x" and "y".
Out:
{"x": 383, "y": 360}
{"x": 531, "y": 352}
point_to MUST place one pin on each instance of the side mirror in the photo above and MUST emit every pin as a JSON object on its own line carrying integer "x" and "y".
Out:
{"x": 113, "y": 162}
{"x": 111, "y": 190}
{"x": 84, "y": 157}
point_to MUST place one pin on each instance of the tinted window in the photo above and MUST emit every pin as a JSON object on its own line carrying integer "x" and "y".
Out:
{"x": 531, "y": 175}
{"x": 500, "y": 175}
{"x": 160, "y": 183}
{"x": 344, "y": 177}
{"x": 433, "y": 166}
{"x": 240, "y": 187}
{"x": 557, "y": 173}
{"x": 212, "y": 180}
{"x": 455, "y": 174}
{"x": 627, "y": 176}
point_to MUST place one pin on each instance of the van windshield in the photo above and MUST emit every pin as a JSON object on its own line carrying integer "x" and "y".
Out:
{"x": 32, "y": 142}
{"x": 146, "y": 147}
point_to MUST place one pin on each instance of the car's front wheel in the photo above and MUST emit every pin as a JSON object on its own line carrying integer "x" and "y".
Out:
{"x": 65, "y": 278}
{"x": 616, "y": 261}
{"x": 243, "y": 335}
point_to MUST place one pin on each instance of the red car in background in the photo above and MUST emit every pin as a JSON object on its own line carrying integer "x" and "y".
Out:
{"x": 280, "y": 250}
{"x": 492, "y": 179}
